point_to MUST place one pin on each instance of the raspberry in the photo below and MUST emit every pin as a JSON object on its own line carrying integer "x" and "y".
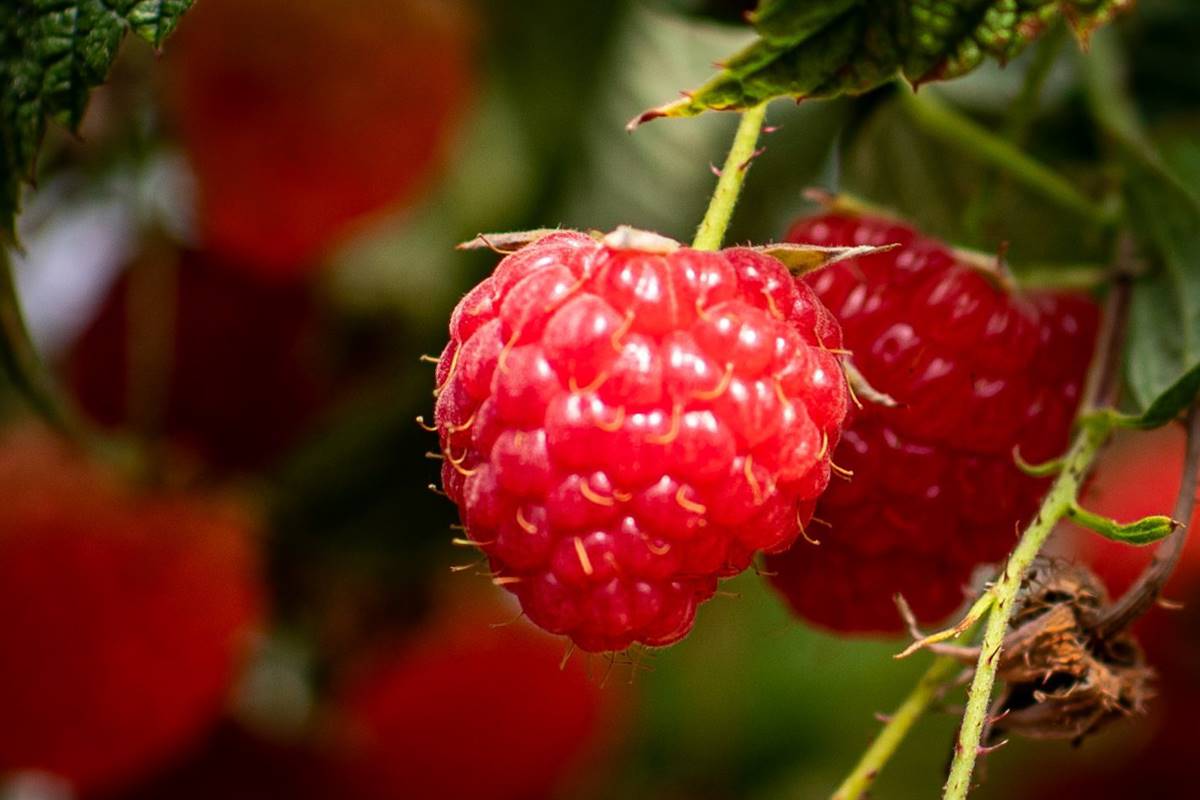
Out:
{"x": 934, "y": 491}
{"x": 420, "y": 721}
{"x": 244, "y": 376}
{"x": 621, "y": 427}
{"x": 302, "y": 117}
{"x": 123, "y": 617}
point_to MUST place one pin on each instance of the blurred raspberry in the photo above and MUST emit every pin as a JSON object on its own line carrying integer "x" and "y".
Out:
{"x": 302, "y": 117}
{"x": 124, "y": 616}
{"x": 621, "y": 428}
{"x": 469, "y": 711}
{"x": 235, "y": 763}
{"x": 238, "y": 364}
{"x": 935, "y": 491}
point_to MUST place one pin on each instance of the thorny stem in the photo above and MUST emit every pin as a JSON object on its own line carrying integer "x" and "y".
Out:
{"x": 999, "y": 598}
{"x": 1138, "y": 599}
{"x": 20, "y": 361}
{"x": 859, "y": 781}
{"x": 1004, "y": 591}
{"x": 711, "y": 232}
{"x": 1093, "y": 431}
{"x": 954, "y": 129}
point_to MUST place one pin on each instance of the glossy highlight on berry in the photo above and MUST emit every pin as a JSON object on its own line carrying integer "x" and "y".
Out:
{"x": 935, "y": 491}
{"x": 622, "y": 427}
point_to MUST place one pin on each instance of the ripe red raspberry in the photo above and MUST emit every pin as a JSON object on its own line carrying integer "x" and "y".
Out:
{"x": 935, "y": 491}
{"x": 420, "y": 721}
{"x": 302, "y": 117}
{"x": 123, "y": 617}
{"x": 623, "y": 427}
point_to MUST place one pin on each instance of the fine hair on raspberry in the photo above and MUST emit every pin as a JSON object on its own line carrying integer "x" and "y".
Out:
{"x": 623, "y": 425}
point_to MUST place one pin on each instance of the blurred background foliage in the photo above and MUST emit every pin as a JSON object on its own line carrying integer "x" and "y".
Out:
{"x": 300, "y": 384}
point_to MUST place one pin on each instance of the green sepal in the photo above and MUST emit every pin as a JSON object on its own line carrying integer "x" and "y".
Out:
{"x": 1142, "y": 532}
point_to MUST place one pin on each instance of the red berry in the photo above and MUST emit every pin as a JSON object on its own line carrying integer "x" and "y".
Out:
{"x": 301, "y": 117}
{"x": 240, "y": 377}
{"x": 123, "y": 617}
{"x": 622, "y": 428}
{"x": 934, "y": 491}
{"x": 470, "y": 711}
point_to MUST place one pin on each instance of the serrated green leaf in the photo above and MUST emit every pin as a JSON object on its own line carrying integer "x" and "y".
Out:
{"x": 52, "y": 52}
{"x": 823, "y": 48}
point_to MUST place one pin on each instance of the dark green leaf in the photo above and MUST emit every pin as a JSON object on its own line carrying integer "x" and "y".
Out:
{"x": 52, "y": 52}
{"x": 823, "y": 48}
{"x": 1163, "y": 368}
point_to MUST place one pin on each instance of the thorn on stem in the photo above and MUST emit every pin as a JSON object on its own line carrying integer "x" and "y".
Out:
{"x": 745, "y": 165}
{"x": 983, "y": 750}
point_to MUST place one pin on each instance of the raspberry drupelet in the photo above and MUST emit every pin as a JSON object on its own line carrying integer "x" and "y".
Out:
{"x": 935, "y": 490}
{"x": 623, "y": 424}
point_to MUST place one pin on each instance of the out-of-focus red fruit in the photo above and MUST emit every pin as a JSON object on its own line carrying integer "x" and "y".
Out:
{"x": 469, "y": 711}
{"x": 123, "y": 616}
{"x": 238, "y": 375}
{"x": 300, "y": 117}
{"x": 934, "y": 492}
{"x": 237, "y": 764}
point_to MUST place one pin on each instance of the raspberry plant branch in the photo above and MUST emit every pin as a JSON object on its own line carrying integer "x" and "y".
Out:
{"x": 1092, "y": 431}
{"x": 952, "y": 128}
{"x": 1055, "y": 507}
{"x": 898, "y": 724}
{"x": 21, "y": 362}
{"x": 711, "y": 232}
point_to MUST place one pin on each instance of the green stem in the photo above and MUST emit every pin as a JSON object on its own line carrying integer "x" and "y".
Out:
{"x": 1093, "y": 425}
{"x": 859, "y": 781}
{"x": 711, "y": 232}
{"x": 1062, "y": 276}
{"x": 1056, "y": 506}
{"x": 942, "y": 122}
{"x": 20, "y": 361}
